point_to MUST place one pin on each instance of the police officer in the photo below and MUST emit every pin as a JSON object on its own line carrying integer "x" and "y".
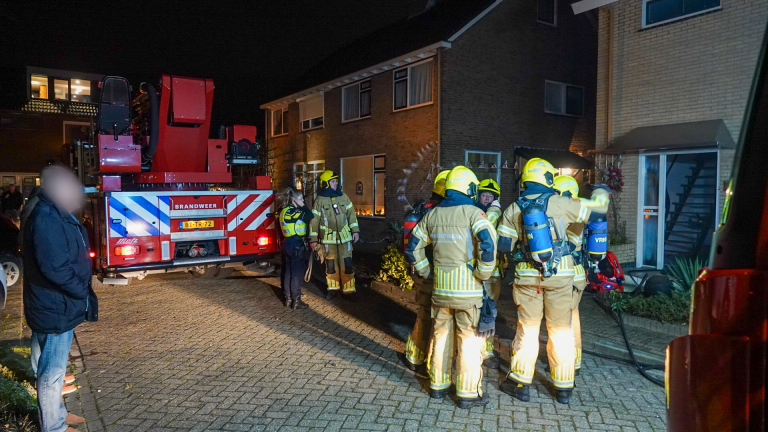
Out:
{"x": 417, "y": 345}
{"x": 567, "y": 186}
{"x": 536, "y": 291}
{"x": 464, "y": 249}
{"x": 333, "y": 230}
{"x": 488, "y": 201}
{"x": 294, "y": 217}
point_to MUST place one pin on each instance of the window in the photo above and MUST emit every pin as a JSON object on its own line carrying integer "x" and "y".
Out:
{"x": 81, "y": 90}
{"x": 311, "y": 111}
{"x": 413, "y": 85}
{"x": 39, "y": 86}
{"x": 60, "y": 89}
{"x": 661, "y": 11}
{"x": 356, "y": 101}
{"x": 485, "y": 164}
{"x": 564, "y": 99}
{"x": 279, "y": 122}
{"x": 305, "y": 175}
{"x": 362, "y": 179}
{"x": 546, "y": 12}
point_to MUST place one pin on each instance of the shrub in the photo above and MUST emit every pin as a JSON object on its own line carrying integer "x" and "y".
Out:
{"x": 394, "y": 269}
{"x": 16, "y": 396}
{"x": 673, "y": 308}
{"x": 684, "y": 271}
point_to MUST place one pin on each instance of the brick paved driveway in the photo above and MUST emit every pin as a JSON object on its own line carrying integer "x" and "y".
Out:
{"x": 175, "y": 353}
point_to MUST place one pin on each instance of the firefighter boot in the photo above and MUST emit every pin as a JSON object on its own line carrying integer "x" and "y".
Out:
{"x": 331, "y": 294}
{"x": 518, "y": 391}
{"x": 491, "y": 362}
{"x": 438, "y": 394}
{"x": 564, "y": 396}
{"x": 467, "y": 403}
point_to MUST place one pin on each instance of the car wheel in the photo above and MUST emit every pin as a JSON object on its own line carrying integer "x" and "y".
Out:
{"x": 12, "y": 267}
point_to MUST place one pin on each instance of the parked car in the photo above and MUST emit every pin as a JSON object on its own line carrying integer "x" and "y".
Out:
{"x": 10, "y": 257}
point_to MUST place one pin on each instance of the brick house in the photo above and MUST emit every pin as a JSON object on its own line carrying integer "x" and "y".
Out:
{"x": 42, "y": 109}
{"x": 482, "y": 83}
{"x": 673, "y": 81}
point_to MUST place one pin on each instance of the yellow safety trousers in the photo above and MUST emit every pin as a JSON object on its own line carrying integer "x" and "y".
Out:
{"x": 459, "y": 325}
{"x": 417, "y": 346}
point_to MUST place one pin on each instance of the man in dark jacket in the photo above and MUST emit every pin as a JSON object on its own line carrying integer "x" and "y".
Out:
{"x": 57, "y": 288}
{"x": 12, "y": 200}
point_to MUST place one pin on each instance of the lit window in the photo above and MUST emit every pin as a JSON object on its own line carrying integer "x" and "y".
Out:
{"x": 356, "y": 101}
{"x": 485, "y": 164}
{"x": 311, "y": 111}
{"x": 60, "y": 89}
{"x": 564, "y": 99}
{"x": 280, "y": 122}
{"x": 546, "y": 12}
{"x": 305, "y": 177}
{"x": 39, "y": 86}
{"x": 81, "y": 90}
{"x": 661, "y": 11}
{"x": 362, "y": 179}
{"x": 413, "y": 85}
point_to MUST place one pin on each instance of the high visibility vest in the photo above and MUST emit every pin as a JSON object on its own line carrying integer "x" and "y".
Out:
{"x": 291, "y": 223}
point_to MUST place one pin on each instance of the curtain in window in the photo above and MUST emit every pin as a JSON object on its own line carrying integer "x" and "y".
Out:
{"x": 421, "y": 84}
{"x": 311, "y": 107}
{"x": 401, "y": 90}
{"x": 351, "y": 101}
{"x": 277, "y": 122}
{"x": 365, "y": 103}
{"x": 554, "y": 98}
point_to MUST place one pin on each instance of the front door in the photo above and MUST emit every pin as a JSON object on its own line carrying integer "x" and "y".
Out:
{"x": 677, "y": 206}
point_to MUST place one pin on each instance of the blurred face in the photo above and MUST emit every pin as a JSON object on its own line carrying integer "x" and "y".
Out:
{"x": 66, "y": 192}
{"x": 298, "y": 201}
{"x": 485, "y": 198}
{"x": 12, "y": 188}
{"x": 333, "y": 183}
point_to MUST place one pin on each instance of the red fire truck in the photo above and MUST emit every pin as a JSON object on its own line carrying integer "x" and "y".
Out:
{"x": 159, "y": 203}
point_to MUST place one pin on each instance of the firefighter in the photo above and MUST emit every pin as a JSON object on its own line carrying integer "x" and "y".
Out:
{"x": 488, "y": 201}
{"x": 464, "y": 252}
{"x": 544, "y": 277}
{"x": 417, "y": 345}
{"x": 332, "y": 232}
{"x": 567, "y": 186}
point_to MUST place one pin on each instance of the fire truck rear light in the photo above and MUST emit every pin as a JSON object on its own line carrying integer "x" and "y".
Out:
{"x": 92, "y": 254}
{"x": 262, "y": 241}
{"x": 127, "y": 250}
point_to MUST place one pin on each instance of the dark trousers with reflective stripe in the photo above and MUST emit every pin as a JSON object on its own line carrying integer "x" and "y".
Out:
{"x": 294, "y": 267}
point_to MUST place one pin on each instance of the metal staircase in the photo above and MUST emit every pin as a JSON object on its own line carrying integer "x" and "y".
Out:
{"x": 690, "y": 218}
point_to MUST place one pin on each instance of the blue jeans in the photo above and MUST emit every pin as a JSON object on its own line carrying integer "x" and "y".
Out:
{"x": 52, "y": 360}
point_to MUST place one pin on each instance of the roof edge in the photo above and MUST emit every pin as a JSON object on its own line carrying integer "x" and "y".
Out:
{"x": 394, "y": 63}
{"x": 474, "y": 20}
{"x": 588, "y": 5}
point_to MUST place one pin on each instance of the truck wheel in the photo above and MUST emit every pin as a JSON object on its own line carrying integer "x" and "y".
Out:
{"x": 224, "y": 272}
{"x": 208, "y": 273}
{"x": 12, "y": 266}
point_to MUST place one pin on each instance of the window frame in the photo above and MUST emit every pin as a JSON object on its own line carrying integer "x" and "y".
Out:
{"x": 552, "y": 24}
{"x": 490, "y": 152}
{"x": 52, "y": 79}
{"x": 565, "y": 99}
{"x": 359, "y": 100}
{"x": 408, "y": 86}
{"x": 301, "y": 121}
{"x": 284, "y": 127}
{"x": 374, "y": 171}
{"x": 644, "y": 25}
{"x": 314, "y": 163}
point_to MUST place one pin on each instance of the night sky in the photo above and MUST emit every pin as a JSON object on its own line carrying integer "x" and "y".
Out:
{"x": 252, "y": 49}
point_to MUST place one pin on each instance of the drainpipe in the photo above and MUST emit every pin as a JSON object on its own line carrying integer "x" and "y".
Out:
{"x": 439, "y": 99}
{"x": 609, "y": 83}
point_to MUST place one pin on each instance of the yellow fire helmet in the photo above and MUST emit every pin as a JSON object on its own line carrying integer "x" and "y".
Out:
{"x": 439, "y": 186}
{"x": 539, "y": 171}
{"x": 462, "y": 179}
{"x": 490, "y": 185}
{"x": 326, "y": 177}
{"x": 567, "y": 186}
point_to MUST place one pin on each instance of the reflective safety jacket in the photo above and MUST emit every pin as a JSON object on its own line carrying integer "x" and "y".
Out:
{"x": 293, "y": 221}
{"x": 494, "y": 217}
{"x": 564, "y": 211}
{"x": 575, "y": 234}
{"x": 464, "y": 251}
{"x": 335, "y": 220}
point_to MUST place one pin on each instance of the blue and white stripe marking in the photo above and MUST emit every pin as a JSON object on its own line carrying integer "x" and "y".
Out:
{"x": 139, "y": 216}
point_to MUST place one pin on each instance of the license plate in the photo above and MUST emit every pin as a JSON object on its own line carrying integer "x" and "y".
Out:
{"x": 196, "y": 224}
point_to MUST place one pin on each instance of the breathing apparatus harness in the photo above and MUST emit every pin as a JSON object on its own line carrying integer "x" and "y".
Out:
{"x": 538, "y": 247}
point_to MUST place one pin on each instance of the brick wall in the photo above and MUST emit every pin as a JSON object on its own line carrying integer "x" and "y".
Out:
{"x": 493, "y": 85}
{"x": 399, "y": 135}
{"x": 699, "y": 68}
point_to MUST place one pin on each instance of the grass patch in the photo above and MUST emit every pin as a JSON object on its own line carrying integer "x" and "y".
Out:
{"x": 18, "y": 403}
